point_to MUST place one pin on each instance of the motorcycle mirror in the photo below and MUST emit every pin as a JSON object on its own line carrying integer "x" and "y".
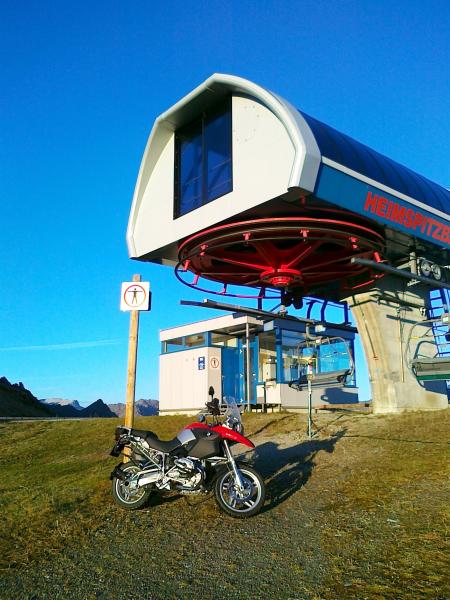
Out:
{"x": 201, "y": 418}
{"x": 211, "y": 391}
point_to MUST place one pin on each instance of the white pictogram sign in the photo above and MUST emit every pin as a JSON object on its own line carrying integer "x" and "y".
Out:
{"x": 135, "y": 296}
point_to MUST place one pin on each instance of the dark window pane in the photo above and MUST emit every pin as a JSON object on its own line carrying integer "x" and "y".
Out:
{"x": 203, "y": 160}
{"x": 190, "y": 168}
{"x": 218, "y": 155}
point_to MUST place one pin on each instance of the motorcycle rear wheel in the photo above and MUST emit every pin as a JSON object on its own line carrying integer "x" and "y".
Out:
{"x": 240, "y": 505}
{"x": 127, "y": 496}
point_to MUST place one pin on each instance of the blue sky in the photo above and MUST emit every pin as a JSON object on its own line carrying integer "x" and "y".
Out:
{"x": 81, "y": 86}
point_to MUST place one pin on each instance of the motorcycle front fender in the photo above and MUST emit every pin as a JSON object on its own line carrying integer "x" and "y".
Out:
{"x": 233, "y": 436}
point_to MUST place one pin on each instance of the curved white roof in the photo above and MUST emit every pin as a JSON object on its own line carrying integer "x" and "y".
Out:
{"x": 299, "y": 162}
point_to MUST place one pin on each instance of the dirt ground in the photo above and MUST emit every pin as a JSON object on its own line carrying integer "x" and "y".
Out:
{"x": 361, "y": 511}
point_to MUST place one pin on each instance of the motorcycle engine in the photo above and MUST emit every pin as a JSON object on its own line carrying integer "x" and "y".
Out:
{"x": 187, "y": 472}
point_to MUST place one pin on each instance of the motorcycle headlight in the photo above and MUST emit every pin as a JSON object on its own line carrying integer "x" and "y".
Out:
{"x": 239, "y": 428}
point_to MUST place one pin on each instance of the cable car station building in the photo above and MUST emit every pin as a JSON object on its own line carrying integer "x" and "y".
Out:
{"x": 238, "y": 189}
{"x": 214, "y": 352}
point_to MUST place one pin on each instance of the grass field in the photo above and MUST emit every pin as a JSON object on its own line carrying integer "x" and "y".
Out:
{"x": 361, "y": 511}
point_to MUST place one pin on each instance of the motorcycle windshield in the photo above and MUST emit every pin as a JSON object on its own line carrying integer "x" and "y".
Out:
{"x": 232, "y": 409}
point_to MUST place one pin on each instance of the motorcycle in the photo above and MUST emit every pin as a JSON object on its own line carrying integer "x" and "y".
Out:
{"x": 198, "y": 460}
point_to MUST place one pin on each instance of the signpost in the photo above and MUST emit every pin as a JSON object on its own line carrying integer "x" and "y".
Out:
{"x": 135, "y": 297}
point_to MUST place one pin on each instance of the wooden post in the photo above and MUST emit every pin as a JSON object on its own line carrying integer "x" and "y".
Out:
{"x": 131, "y": 371}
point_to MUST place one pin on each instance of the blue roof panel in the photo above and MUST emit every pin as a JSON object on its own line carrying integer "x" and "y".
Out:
{"x": 360, "y": 158}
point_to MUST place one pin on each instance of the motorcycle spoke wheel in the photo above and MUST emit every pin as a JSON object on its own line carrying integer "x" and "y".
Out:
{"x": 125, "y": 493}
{"x": 240, "y": 503}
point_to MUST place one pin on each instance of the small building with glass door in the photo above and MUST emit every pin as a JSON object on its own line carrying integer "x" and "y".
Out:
{"x": 279, "y": 351}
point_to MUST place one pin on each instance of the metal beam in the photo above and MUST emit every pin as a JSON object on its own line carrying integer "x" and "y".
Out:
{"x": 400, "y": 273}
{"x": 253, "y": 312}
{"x": 247, "y": 365}
{"x": 264, "y": 314}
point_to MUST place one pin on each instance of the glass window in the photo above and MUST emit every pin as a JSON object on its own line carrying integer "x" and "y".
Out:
{"x": 218, "y": 155}
{"x": 173, "y": 345}
{"x": 267, "y": 352}
{"x": 198, "y": 339}
{"x": 224, "y": 339}
{"x": 190, "y": 167}
{"x": 333, "y": 356}
{"x": 203, "y": 160}
{"x": 292, "y": 346}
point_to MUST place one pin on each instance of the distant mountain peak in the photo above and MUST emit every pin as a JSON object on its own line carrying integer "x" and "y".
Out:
{"x": 97, "y": 409}
{"x": 142, "y": 408}
{"x": 63, "y": 402}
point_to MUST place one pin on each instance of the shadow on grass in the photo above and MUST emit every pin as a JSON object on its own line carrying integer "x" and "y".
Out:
{"x": 286, "y": 470}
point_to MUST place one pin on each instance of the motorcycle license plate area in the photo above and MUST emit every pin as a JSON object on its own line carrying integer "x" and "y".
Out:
{"x": 117, "y": 449}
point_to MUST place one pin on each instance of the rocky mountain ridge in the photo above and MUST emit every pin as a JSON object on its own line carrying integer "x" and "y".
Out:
{"x": 17, "y": 401}
{"x": 63, "y": 402}
{"x": 142, "y": 408}
{"x": 71, "y": 408}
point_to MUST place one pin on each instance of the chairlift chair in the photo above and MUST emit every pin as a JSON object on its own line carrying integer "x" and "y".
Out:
{"x": 309, "y": 373}
{"x": 425, "y": 367}
{"x": 309, "y": 351}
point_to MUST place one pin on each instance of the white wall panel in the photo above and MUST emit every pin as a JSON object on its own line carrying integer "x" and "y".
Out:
{"x": 182, "y": 384}
{"x": 263, "y": 158}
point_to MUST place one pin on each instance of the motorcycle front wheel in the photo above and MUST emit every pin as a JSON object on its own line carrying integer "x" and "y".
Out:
{"x": 240, "y": 504}
{"x": 125, "y": 492}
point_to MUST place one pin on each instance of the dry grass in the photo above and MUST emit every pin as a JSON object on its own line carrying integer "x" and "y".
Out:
{"x": 54, "y": 483}
{"x": 387, "y": 532}
{"x": 363, "y": 508}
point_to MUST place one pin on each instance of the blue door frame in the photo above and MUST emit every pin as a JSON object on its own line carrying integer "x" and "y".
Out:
{"x": 234, "y": 373}
{"x": 231, "y": 385}
{"x": 253, "y": 369}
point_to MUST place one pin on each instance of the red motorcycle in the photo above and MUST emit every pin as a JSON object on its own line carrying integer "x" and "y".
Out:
{"x": 198, "y": 460}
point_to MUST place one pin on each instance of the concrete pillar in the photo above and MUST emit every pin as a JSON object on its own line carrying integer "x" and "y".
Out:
{"x": 384, "y": 317}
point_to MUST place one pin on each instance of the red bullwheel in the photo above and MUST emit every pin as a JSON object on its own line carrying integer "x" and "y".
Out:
{"x": 285, "y": 252}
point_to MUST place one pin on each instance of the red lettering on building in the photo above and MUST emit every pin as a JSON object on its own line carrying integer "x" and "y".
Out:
{"x": 381, "y": 207}
{"x": 398, "y": 214}
{"x": 371, "y": 202}
{"x": 418, "y": 219}
{"x": 409, "y": 218}
{"x": 431, "y": 222}
{"x": 445, "y": 235}
{"x": 390, "y": 207}
{"x": 437, "y": 235}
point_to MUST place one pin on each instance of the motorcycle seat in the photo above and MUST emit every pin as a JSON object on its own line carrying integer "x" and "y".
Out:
{"x": 154, "y": 442}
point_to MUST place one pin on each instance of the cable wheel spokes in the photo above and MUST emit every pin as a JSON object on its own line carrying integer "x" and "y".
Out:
{"x": 279, "y": 253}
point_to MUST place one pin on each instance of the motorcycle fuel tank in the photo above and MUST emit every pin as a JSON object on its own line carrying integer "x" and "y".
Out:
{"x": 200, "y": 442}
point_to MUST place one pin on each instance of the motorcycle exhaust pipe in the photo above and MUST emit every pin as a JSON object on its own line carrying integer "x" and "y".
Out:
{"x": 149, "y": 477}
